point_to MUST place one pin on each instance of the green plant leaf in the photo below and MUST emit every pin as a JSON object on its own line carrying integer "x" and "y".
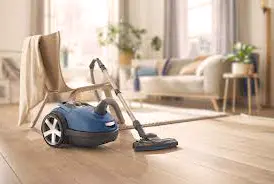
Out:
{"x": 231, "y": 57}
{"x": 238, "y": 46}
{"x": 124, "y": 36}
{"x": 247, "y": 61}
{"x": 242, "y": 52}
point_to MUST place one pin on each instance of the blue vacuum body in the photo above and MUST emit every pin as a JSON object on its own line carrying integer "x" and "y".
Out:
{"x": 84, "y": 125}
{"x": 80, "y": 125}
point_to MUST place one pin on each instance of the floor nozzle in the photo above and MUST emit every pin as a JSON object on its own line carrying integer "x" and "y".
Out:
{"x": 154, "y": 143}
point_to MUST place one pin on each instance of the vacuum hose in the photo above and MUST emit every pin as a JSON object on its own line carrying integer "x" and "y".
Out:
{"x": 101, "y": 109}
{"x": 136, "y": 124}
{"x": 149, "y": 141}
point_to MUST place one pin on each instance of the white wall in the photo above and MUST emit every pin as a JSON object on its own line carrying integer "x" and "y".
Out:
{"x": 251, "y": 23}
{"x": 15, "y": 25}
{"x": 148, "y": 14}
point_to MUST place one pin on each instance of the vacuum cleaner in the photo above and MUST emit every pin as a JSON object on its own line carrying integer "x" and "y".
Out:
{"x": 82, "y": 124}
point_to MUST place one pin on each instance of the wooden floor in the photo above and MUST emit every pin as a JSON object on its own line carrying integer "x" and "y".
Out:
{"x": 231, "y": 150}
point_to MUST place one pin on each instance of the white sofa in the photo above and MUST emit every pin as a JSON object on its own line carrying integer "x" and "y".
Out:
{"x": 208, "y": 84}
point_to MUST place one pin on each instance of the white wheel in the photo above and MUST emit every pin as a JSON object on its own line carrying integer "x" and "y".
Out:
{"x": 52, "y": 129}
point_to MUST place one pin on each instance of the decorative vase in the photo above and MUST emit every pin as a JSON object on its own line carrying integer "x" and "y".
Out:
{"x": 242, "y": 68}
{"x": 125, "y": 58}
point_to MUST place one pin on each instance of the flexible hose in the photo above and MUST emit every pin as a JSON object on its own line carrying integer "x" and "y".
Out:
{"x": 101, "y": 108}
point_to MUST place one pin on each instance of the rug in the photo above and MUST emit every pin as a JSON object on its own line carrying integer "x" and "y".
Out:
{"x": 154, "y": 115}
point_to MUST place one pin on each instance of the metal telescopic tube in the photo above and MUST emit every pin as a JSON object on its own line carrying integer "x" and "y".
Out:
{"x": 137, "y": 125}
{"x": 132, "y": 117}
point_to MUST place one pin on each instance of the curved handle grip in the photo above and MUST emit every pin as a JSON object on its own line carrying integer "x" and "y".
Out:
{"x": 91, "y": 67}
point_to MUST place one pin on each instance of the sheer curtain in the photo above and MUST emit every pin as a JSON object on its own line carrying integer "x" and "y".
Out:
{"x": 224, "y": 25}
{"x": 175, "y": 28}
{"x": 37, "y": 12}
{"x": 78, "y": 22}
{"x": 197, "y": 27}
{"x": 171, "y": 45}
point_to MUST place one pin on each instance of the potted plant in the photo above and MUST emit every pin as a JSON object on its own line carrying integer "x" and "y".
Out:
{"x": 127, "y": 38}
{"x": 241, "y": 58}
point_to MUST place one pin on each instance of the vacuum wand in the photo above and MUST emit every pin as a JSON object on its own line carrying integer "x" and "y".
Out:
{"x": 136, "y": 124}
{"x": 150, "y": 141}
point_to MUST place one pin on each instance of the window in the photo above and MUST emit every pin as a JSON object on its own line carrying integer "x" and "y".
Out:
{"x": 78, "y": 20}
{"x": 199, "y": 28}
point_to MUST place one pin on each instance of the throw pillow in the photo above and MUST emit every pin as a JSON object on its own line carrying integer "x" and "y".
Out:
{"x": 203, "y": 57}
{"x": 159, "y": 66}
{"x": 136, "y": 83}
{"x": 201, "y": 67}
{"x": 146, "y": 71}
{"x": 166, "y": 67}
{"x": 142, "y": 71}
{"x": 176, "y": 64}
{"x": 190, "y": 68}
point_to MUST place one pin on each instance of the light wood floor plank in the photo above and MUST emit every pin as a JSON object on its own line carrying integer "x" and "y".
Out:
{"x": 7, "y": 175}
{"x": 200, "y": 157}
{"x": 225, "y": 150}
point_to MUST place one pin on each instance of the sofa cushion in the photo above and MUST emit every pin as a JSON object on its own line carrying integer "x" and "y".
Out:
{"x": 175, "y": 66}
{"x": 190, "y": 68}
{"x": 172, "y": 84}
{"x": 210, "y": 59}
{"x": 143, "y": 71}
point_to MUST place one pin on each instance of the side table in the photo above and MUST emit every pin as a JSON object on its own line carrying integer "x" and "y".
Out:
{"x": 234, "y": 77}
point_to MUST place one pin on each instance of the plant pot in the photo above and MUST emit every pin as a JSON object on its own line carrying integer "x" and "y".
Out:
{"x": 125, "y": 58}
{"x": 242, "y": 68}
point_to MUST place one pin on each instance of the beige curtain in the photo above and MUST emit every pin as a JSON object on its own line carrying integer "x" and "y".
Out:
{"x": 171, "y": 45}
{"x": 37, "y": 17}
{"x": 224, "y": 25}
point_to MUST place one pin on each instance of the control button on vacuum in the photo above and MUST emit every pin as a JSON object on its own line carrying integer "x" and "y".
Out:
{"x": 109, "y": 124}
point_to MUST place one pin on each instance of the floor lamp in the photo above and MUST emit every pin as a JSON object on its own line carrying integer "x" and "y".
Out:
{"x": 266, "y": 7}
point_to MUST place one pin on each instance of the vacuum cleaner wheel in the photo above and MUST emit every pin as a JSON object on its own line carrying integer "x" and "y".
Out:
{"x": 53, "y": 128}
